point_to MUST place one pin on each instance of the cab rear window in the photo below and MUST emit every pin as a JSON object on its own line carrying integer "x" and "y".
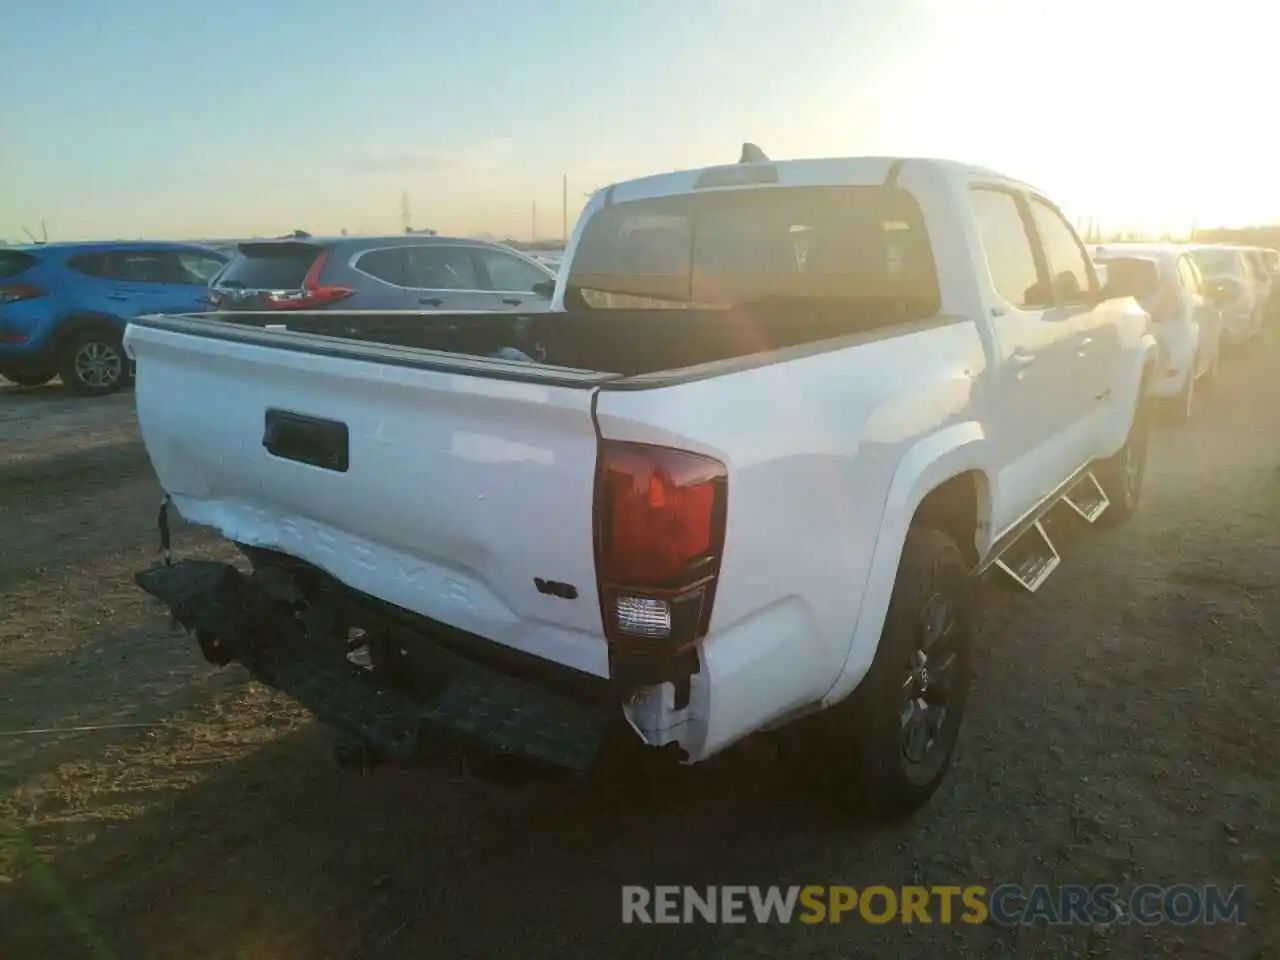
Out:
{"x": 756, "y": 245}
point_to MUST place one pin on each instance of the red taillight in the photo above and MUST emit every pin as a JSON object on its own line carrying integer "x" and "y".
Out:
{"x": 312, "y": 294}
{"x": 659, "y": 531}
{"x": 19, "y": 291}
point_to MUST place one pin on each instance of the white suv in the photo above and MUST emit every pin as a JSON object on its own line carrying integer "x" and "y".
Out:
{"x": 1185, "y": 315}
{"x": 1242, "y": 294}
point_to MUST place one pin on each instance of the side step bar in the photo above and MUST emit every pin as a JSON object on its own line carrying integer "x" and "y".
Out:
{"x": 1087, "y": 498}
{"x": 1030, "y": 559}
{"x": 1030, "y": 556}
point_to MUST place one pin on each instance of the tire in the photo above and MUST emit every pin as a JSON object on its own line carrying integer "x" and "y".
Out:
{"x": 1121, "y": 475}
{"x": 27, "y": 378}
{"x": 93, "y": 362}
{"x": 899, "y": 727}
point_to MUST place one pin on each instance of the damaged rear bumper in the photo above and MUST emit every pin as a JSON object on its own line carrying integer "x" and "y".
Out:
{"x": 419, "y": 681}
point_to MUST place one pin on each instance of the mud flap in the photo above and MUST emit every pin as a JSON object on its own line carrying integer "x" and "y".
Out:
{"x": 285, "y": 646}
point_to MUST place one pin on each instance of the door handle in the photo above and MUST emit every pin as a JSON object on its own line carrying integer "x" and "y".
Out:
{"x": 1084, "y": 344}
{"x": 1020, "y": 360}
{"x": 430, "y": 301}
{"x": 1085, "y": 341}
{"x": 512, "y": 301}
{"x": 117, "y": 296}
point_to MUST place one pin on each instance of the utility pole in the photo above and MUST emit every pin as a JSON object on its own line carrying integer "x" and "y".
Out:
{"x": 533, "y": 229}
{"x": 405, "y": 216}
{"x": 564, "y": 213}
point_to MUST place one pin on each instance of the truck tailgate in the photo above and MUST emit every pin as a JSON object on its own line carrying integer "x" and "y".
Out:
{"x": 462, "y": 498}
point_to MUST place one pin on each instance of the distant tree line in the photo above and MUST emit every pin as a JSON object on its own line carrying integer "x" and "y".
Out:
{"x": 1246, "y": 236}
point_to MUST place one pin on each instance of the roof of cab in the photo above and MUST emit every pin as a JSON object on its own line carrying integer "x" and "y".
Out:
{"x": 852, "y": 171}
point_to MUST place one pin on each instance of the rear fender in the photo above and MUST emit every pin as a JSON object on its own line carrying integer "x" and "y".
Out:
{"x": 1134, "y": 388}
{"x": 958, "y": 449}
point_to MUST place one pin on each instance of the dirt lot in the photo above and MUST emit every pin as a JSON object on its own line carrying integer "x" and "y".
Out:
{"x": 1123, "y": 728}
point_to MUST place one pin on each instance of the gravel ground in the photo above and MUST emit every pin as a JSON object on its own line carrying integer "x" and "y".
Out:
{"x": 1122, "y": 729}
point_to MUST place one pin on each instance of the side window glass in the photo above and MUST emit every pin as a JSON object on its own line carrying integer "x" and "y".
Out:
{"x": 387, "y": 265}
{"x": 442, "y": 267}
{"x": 143, "y": 266}
{"x": 509, "y": 274}
{"x": 90, "y": 264}
{"x": 1007, "y": 246}
{"x": 1068, "y": 265}
{"x": 198, "y": 269}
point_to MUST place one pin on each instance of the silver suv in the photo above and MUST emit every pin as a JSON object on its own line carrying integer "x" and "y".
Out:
{"x": 400, "y": 272}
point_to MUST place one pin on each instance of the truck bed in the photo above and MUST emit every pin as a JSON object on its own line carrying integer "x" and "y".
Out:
{"x": 616, "y": 343}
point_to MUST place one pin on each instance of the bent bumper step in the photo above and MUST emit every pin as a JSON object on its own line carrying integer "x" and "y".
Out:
{"x": 1030, "y": 559}
{"x": 285, "y": 646}
{"x": 1087, "y": 498}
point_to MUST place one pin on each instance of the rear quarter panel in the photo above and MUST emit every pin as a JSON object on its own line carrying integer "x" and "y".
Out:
{"x": 828, "y": 456}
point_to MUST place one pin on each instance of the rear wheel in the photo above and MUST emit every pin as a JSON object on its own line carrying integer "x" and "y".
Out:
{"x": 892, "y": 740}
{"x": 93, "y": 362}
{"x": 26, "y": 377}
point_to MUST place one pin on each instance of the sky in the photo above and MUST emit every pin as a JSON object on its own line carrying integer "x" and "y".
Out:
{"x": 181, "y": 119}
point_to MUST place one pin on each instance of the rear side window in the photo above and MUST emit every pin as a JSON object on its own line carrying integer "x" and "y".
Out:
{"x": 14, "y": 262}
{"x": 199, "y": 268}
{"x": 1068, "y": 266}
{"x": 509, "y": 273}
{"x": 131, "y": 266}
{"x": 269, "y": 267}
{"x": 743, "y": 246}
{"x": 90, "y": 264}
{"x": 388, "y": 265}
{"x": 441, "y": 267}
{"x": 1007, "y": 245}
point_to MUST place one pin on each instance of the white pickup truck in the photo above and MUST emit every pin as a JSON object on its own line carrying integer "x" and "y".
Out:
{"x": 781, "y": 416}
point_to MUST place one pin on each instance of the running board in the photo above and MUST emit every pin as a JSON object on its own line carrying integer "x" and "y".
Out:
{"x": 1087, "y": 498}
{"x": 1030, "y": 559}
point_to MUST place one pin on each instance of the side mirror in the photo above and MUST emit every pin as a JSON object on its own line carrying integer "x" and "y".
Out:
{"x": 546, "y": 289}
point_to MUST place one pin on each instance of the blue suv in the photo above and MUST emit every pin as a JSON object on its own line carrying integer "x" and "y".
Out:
{"x": 64, "y": 307}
